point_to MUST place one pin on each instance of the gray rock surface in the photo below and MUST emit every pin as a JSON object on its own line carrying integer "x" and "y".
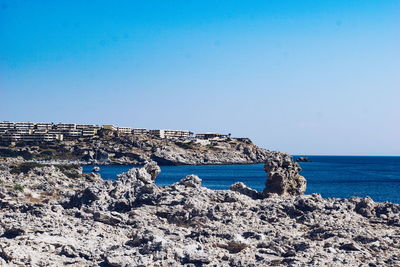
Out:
{"x": 133, "y": 222}
{"x": 283, "y": 175}
{"x": 243, "y": 189}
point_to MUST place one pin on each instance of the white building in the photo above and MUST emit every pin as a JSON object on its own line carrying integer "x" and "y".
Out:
{"x": 10, "y": 137}
{"x": 44, "y": 125}
{"x": 177, "y": 134}
{"x": 6, "y": 125}
{"x": 67, "y": 133}
{"x": 171, "y": 134}
{"x": 210, "y": 135}
{"x": 157, "y": 133}
{"x": 24, "y": 125}
{"x": 138, "y": 131}
{"x": 35, "y": 137}
{"x": 89, "y": 132}
{"x": 19, "y": 131}
{"x": 72, "y": 133}
{"x": 88, "y": 127}
{"x": 125, "y": 130}
{"x": 65, "y": 126}
{"x": 41, "y": 131}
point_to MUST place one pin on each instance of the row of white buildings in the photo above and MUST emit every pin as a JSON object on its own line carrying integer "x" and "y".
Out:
{"x": 48, "y": 132}
{"x": 163, "y": 133}
{"x": 168, "y": 134}
{"x": 44, "y": 132}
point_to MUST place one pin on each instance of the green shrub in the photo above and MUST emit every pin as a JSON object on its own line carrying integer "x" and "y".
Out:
{"x": 18, "y": 187}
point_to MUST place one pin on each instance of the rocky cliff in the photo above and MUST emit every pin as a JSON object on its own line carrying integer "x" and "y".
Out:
{"x": 114, "y": 148}
{"x": 55, "y": 216}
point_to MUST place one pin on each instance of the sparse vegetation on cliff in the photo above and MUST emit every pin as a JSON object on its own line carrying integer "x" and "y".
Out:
{"x": 115, "y": 148}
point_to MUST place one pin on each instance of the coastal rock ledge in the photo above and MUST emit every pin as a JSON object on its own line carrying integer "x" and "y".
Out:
{"x": 56, "y": 216}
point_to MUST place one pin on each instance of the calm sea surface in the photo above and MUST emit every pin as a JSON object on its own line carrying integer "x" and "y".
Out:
{"x": 331, "y": 176}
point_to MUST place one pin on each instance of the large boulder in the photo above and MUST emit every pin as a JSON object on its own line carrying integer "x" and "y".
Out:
{"x": 190, "y": 181}
{"x": 131, "y": 188}
{"x": 153, "y": 169}
{"x": 283, "y": 175}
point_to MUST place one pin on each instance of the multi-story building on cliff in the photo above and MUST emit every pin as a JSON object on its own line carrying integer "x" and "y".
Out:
{"x": 65, "y": 126}
{"x": 140, "y": 131}
{"x": 43, "y": 131}
{"x": 24, "y": 125}
{"x": 88, "y": 127}
{"x": 171, "y": 134}
{"x": 210, "y": 135}
{"x": 32, "y": 137}
{"x": 44, "y": 126}
{"x": 6, "y": 125}
{"x": 125, "y": 130}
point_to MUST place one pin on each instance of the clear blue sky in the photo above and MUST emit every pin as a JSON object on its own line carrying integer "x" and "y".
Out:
{"x": 305, "y": 77}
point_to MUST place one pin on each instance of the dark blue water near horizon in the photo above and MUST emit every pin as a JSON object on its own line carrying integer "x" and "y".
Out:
{"x": 331, "y": 176}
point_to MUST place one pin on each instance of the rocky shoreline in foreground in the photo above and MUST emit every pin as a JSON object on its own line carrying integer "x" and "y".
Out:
{"x": 55, "y": 216}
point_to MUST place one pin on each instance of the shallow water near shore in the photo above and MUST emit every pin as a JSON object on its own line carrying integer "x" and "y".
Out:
{"x": 331, "y": 176}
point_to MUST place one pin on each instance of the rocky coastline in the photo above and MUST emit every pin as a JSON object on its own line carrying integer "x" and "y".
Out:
{"x": 56, "y": 216}
{"x": 113, "y": 148}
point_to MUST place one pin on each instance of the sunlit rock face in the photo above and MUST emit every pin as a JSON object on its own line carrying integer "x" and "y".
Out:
{"x": 283, "y": 175}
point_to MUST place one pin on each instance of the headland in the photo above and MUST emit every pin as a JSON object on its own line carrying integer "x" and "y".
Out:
{"x": 108, "y": 144}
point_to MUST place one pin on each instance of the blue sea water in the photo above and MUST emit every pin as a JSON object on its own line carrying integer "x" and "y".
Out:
{"x": 331, "y": 176}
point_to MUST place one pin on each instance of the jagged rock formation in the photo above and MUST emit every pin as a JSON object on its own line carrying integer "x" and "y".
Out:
{"x": 127, "y": 149}
{"x": 132, "y": 222}
{"x": 283, "y": 175}
{"x": 42, "y": 183}
{"x": 131, "y": 189}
